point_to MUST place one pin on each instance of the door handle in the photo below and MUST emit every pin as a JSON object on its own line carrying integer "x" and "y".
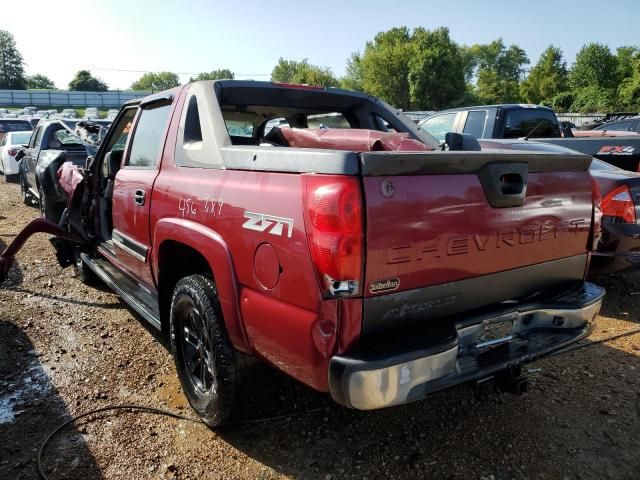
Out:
{"x": 138, "y": 197}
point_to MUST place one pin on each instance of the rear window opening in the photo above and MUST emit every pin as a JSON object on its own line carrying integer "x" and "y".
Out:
{"x": 258, "y": 124}
{"x": 523, "y": 123}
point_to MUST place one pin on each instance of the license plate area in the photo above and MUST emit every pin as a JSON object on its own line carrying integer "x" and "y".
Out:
{"x": 495, "y": 332}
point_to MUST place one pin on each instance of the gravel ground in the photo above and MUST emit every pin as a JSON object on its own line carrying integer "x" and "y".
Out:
{"x": 66, "y": 348}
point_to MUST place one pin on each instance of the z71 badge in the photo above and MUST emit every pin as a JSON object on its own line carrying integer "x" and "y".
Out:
{"x": 261, "y": 222}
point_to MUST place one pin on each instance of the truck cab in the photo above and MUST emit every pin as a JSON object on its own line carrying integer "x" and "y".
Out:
{"x": 495, "y": 121}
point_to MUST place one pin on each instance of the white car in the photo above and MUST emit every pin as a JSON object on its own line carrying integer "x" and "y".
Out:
{"x": 10, "y": 145}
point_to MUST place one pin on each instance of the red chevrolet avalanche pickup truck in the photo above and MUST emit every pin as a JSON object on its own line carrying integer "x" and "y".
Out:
{"x": 324, "y": 233}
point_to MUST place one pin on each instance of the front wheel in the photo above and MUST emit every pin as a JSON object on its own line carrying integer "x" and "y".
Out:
{"x": 25, "y": 195}
{"x": 204, "y": 357}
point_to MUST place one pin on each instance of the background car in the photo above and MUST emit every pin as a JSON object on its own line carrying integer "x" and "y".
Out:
{"x": 13, "y": 125}
{"x": 10, "y": 145}
{"x": 629, "y": 125}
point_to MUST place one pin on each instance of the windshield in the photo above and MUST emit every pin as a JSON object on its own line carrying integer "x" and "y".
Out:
{"x": 67, "y": 138}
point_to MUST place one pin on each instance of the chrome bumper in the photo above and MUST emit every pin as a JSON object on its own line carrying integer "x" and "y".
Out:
{"x": 366, "y": 382}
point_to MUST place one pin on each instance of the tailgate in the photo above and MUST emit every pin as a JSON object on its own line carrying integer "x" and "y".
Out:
{"x": 455, "y": 231}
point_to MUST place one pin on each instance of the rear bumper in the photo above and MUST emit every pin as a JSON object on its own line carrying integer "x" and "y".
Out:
{"x": 370, "y": 378}
{"x": 9, "y": 165}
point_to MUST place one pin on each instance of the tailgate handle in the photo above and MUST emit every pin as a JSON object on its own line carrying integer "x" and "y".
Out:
{"x": 504, "y": 184}
{"x": 511, "y": 184}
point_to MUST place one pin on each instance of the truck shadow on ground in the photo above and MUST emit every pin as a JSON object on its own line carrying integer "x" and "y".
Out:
{"x": 30, "y": 408}
{"x": 71, "y": 301}
{"x": 15, "y": 276}
{"x": 580, "y": 419}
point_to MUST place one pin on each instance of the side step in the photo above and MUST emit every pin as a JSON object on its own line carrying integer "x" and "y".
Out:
{"x": 143, "y": 302}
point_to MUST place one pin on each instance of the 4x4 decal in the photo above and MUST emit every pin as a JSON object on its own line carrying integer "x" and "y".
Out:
{"x": 616, "y": 150}
{"x": 261, "y": 222}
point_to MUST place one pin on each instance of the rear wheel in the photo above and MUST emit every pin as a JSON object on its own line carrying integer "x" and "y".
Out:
{"x": 204, "y": 357}
{"x": 11, "y": 178}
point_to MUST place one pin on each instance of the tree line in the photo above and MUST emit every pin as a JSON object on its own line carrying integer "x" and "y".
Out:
{"x": 424, "y": 69}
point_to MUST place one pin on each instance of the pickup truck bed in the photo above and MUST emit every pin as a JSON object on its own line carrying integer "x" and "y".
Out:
{"x": 361, "y": 261}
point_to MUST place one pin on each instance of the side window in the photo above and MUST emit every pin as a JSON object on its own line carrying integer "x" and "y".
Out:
{"x": 439, "y": 125}
{"x": 475, "y": 123}
{"x": 192, "y": 128}
{"x": 239, "y": 128}
{"x": 148, "y": 137}
{"x": 617, "y": 126}
{"x": 36, "y": 138}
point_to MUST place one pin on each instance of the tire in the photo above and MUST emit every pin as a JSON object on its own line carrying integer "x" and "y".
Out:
{"x": 42, "y": 203}
{"x": 11, "y": 178}
{"x": 25, "y": 195}
{"x": 204, "y": 357}
{"x": 82, "y": 271}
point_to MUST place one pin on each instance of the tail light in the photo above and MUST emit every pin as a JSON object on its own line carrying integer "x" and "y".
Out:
{"x": 13, "y": 152}
{"x": 333, "y": 220}
{"x": 618, "y": 203}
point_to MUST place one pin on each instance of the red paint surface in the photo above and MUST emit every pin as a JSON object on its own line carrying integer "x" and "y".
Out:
{"x": 441, "y": 228}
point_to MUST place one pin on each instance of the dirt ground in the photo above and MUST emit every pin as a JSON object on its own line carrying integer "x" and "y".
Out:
{"x": 66, "y": 348}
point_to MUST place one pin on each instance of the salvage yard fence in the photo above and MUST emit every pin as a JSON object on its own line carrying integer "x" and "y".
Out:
{"x": 9, "y": 98}
{"x": 579, "y": 119}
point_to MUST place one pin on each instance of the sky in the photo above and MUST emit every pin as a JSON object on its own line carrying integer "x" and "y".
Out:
{"x": 63, "y": 36}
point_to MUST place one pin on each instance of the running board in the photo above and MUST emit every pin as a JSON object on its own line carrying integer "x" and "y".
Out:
{"x": 143, "y": 302}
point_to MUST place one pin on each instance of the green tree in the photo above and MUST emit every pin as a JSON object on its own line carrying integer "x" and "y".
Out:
{"x": 353, "y": 77}
{"x": 436, "y": 70}
{"x": 284, "y": 70}
{"x": 385, "y": 66}
{"x": 626, "y": 57}
{"x": 40, "y": 82}
{"x": 595, "y": 66}
{"x": 292, "y": 71}
{"x": 156, "y": 81}
{"x": 548, "y": 78}
{"x": 629, "y": 89}
{"x": 594, "y": 99}
{"x": 498, "y": 70}
{"x": 84, "y": 82}
{"x": 220, "y": 74}
{"x": 11, "y": 63}
{"x": 562, "y": 102}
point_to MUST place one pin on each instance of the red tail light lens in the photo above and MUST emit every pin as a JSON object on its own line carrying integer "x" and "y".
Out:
{"x": 618, "y": 203}
{"x": 333, "y": 220}
{"x": 13, "y": 152}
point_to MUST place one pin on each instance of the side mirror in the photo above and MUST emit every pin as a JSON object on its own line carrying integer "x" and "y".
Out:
{"x": 462, "y": 142}
{"x": 20, "y": 155}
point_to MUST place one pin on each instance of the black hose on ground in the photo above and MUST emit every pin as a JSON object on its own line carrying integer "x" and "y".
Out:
{"x": 159, "y": 411}
{"x": 156, "y": 411}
